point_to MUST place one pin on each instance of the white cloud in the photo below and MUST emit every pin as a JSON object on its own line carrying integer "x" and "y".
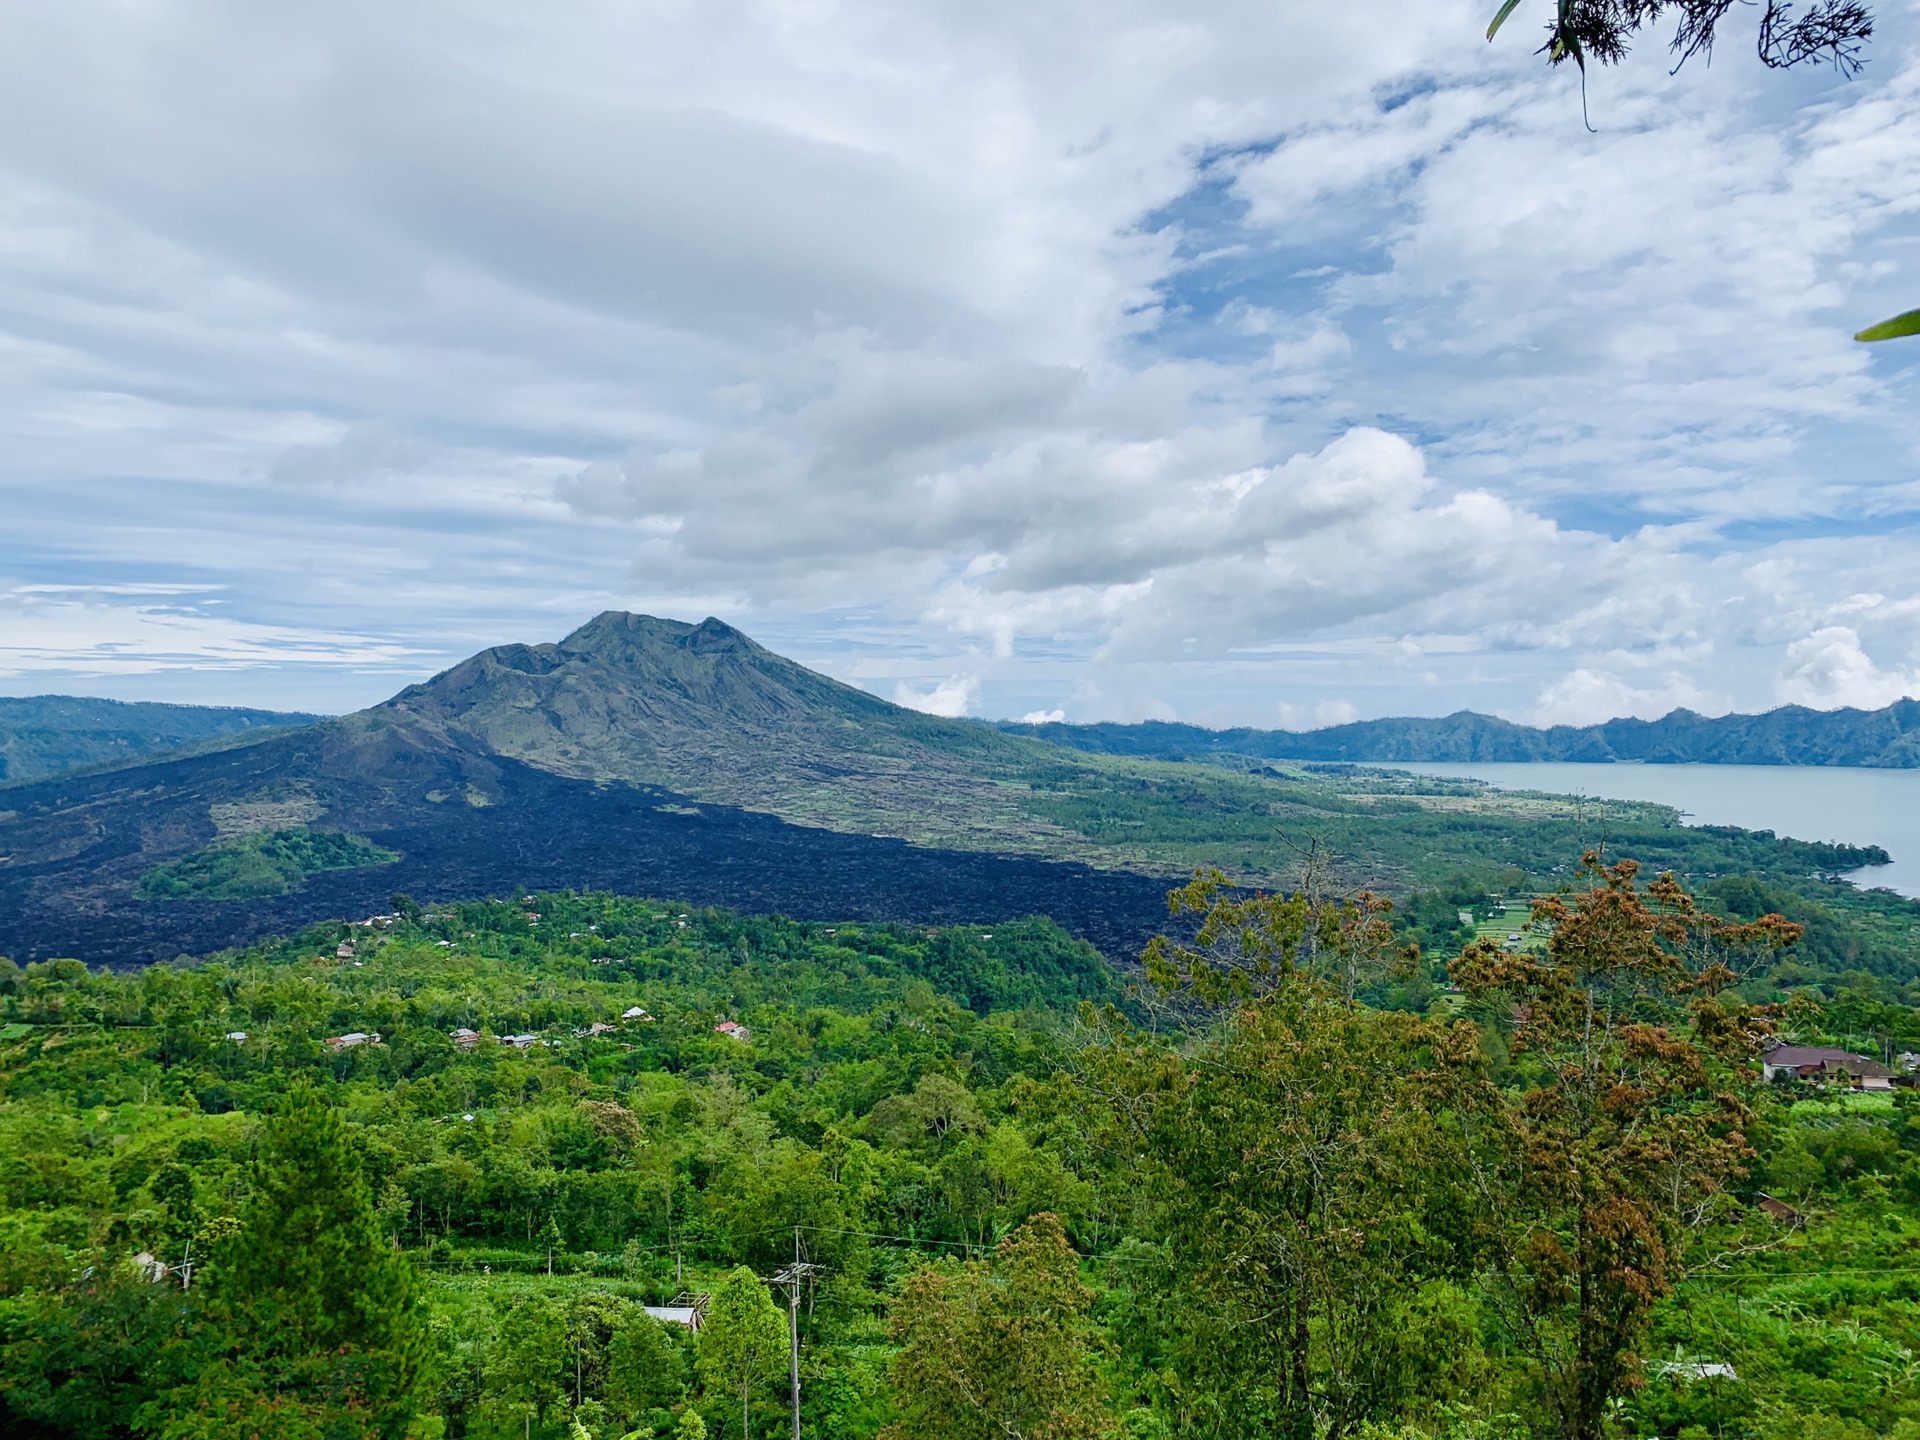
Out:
{"x": 1132, "y": 343}
{"x": 359, "y": 453}
{"x": 60, "y": 630}
{"x": 1589, "y": 696}
{"x": 1317, "y": 716}
{"x": 952, "y": 697}
{"x": 1828, "y": 669}
{"x": 1043, "y": 717}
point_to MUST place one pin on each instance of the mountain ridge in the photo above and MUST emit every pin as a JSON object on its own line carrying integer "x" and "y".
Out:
{"x": 1888, "y": 738}
{"x": 706, "y": 710}
{"x": 643, "y": 755}
{"x": 43, "y": 735}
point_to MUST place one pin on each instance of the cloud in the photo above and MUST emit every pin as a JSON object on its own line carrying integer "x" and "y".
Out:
{"x": 1828, "y": 670}
{"x": 1181, "y": 545}
{"x": 1318, "y": 716}
{"x": 1116, "y": 355}
{"x": 1589, "y": 696}
{"x": 1043, "y": 717}
{"x": 360, "y": 453}
{"x": 110, "y": 632}
{"x": 953, "y": 697}
{"x": 1656, "y": 320}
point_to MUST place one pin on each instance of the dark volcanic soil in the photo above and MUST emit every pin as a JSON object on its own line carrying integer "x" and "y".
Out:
{"x": 549, "y": 832}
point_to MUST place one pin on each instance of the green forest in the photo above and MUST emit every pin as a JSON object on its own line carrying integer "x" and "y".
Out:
{"x": 265, "y": 862}
{"x": 1317, "y": 1167}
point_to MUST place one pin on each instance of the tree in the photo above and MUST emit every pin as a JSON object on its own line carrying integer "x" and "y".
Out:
{"x": 1831, "y": 30}
{"x": 1899, "y": 327}
{"x": 1628, "y": 1125}
{"x": 1000, "y": 1351}
{"x": 80, "y": 1361}
{"x": 529, "y": 1368}
{"x": 1248, "y": 945}
{"x": 1302, "y": 1164}
{"x": 743, "y": 1343}
{"x": 645, "y": 1367}
{"x": 309, "y": 1320}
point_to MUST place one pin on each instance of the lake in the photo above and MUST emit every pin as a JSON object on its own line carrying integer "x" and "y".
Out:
{"x": 1807, "y": 802}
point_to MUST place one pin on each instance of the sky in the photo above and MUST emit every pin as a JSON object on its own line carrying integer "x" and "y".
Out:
{"x": 1237, "y": 363}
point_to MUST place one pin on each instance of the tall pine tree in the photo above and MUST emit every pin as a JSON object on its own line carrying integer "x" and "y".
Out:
{"x": 309, "y": 1325}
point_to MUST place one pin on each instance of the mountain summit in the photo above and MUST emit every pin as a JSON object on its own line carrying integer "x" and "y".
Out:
{"x": 704, "y": 710}
{"x": 637, "y": 754}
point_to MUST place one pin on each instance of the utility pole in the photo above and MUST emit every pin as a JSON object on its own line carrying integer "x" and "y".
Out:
{"x": 791, "y": 1280}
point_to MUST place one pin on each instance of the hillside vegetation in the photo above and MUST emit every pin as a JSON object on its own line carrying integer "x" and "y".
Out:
{"x": 42, "y": 735}
{"x": 266, "y": 862}
{"x": 1028, "y": 1210}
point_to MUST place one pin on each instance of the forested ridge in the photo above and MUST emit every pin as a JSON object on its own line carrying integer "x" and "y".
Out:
{"x": 1284, "y": 1182}
{"x": 1887, "y": 738}
{"x": 45, "y": 734}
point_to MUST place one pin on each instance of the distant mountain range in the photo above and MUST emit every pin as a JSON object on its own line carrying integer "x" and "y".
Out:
{"x": 1791, "y": 735}
{"x": 45, "y": 734}
{"x": 694, "y": 715}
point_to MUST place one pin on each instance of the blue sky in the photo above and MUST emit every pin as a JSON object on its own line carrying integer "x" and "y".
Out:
{"x": 1235, "y": 363}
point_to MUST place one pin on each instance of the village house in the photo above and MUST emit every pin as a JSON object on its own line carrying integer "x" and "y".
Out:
{"x": 352, "y": 1039}
{"x": 688, "y": 1310}
{"x": 522, "y": 1042}
{"x": 1824, "y": 1063}
{"x": 599, "y": 1027}
{"x": 732, "y": 1030}
{"x": 634, "y": 1012}
{"x": 464, "y": 1038}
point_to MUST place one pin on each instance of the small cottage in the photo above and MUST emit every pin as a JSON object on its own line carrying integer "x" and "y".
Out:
{"x": 1823, "y": 1063}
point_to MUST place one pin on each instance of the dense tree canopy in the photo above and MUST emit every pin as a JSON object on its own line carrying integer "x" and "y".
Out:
{"x": 1319, "y": 1199}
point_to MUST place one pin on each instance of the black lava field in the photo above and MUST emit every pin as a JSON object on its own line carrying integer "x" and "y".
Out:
{"x": 550, "y": 832}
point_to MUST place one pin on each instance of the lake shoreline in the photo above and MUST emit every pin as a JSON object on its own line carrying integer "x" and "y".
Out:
{"x": 1854, "y": 805}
